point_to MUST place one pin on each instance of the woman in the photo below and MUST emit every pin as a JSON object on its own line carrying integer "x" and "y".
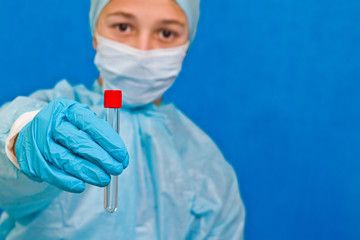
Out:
{"x": 56, "y": 154}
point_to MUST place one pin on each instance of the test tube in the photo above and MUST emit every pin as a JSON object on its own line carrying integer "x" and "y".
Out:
{"x": 112, "y": 104}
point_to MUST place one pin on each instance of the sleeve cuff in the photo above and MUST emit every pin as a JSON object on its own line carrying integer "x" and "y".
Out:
{"x": 14, "y": 132}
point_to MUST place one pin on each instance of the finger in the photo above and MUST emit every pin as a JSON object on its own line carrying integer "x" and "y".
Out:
{"x": 35, "y": 166}
{"x": 90, "y": 173}
{"x": 125, "y": 163}
{"x": 80, "y": 143}
{"x": 61, "y": 179}
{"x": 99, "y": 130}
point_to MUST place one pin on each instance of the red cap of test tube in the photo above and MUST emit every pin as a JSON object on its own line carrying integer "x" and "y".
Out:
{"x": 113, "y": 99}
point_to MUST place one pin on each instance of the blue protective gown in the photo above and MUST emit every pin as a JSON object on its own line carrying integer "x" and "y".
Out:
{"x": 177, "y": 186}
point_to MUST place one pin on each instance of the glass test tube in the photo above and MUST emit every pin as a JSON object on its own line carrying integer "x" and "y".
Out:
{"x": 112, "y": 105}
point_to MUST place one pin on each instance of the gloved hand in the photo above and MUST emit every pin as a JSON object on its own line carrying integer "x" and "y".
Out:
{"x": 67, "y": 145}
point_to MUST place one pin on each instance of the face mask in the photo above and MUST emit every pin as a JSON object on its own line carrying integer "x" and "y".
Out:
{"x": 143, "y": 76}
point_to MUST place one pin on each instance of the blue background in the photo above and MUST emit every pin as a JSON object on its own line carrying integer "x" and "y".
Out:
{"x": 275, "y": 83}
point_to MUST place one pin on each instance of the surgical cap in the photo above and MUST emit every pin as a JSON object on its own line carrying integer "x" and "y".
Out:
{"x": 190, "y": 7}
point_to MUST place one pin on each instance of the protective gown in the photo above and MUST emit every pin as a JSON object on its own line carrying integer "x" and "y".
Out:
{"x": 177, "y": 186}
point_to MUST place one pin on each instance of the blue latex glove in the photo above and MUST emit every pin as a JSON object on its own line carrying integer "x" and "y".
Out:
{"x": 67, "y": 145}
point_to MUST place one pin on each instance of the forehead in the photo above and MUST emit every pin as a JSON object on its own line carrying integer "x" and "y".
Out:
{"x": 143, "y": 8}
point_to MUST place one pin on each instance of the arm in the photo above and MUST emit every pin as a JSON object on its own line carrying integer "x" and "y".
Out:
{"x": 19, "y": 195}
{"x": 218, "y": 208}
{"x": 230, "y": 220}
{"x": 65, "y": 146}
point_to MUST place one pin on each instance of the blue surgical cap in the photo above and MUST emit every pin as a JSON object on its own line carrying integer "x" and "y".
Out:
{"x": 190, "y": 7}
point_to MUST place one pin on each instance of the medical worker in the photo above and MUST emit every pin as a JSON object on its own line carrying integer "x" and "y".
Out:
{"x": 57, "y": 153}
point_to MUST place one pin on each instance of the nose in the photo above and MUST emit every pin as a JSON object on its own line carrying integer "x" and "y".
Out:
{"x": 144, "y": 41}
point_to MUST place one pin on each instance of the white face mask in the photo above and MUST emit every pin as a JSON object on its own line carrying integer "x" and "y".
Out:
{"x": 143, "y": 76}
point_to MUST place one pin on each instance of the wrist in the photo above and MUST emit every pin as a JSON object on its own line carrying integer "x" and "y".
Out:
{"x": 13, "y": 136}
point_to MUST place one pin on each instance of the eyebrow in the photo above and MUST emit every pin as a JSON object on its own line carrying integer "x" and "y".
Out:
{"x": 130, "y": 16}
{"x": 169, "y": 22}
{"x": 123, "y": 14}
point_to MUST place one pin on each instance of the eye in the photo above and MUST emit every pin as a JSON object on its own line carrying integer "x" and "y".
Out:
{"x": 166, "y": 34}
{"x": 123, "y": 27}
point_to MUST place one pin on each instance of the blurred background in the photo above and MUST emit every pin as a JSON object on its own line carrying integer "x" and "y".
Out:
{"x": 275, "y": 83}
